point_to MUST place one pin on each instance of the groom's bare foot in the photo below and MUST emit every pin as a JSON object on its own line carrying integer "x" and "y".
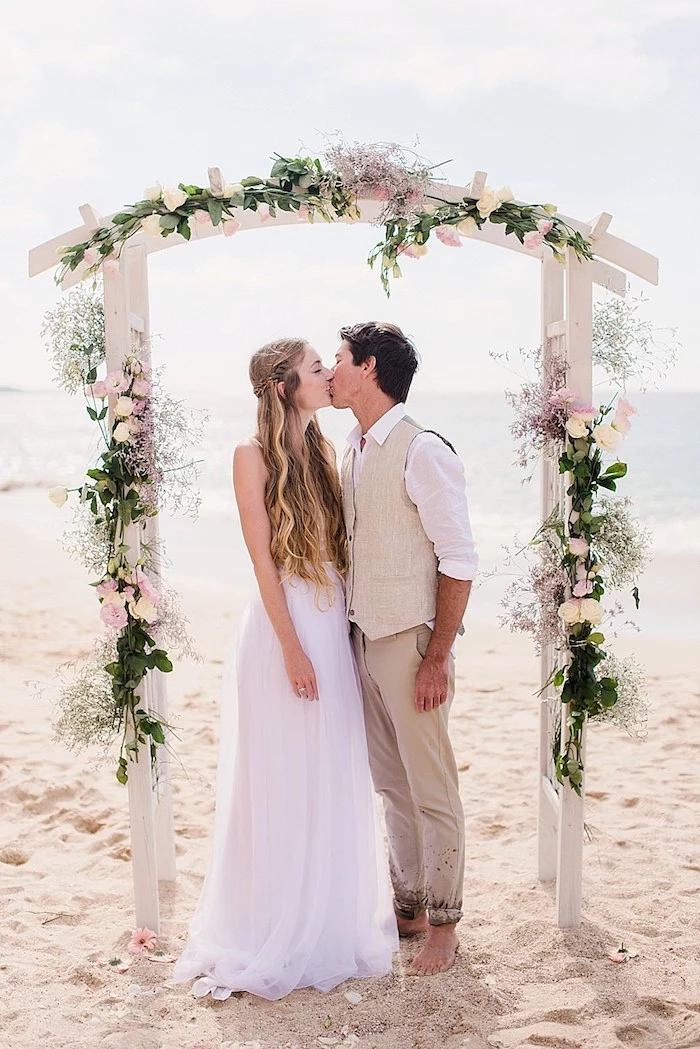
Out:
{"x": 437, "y": 954}
{"x": 412, "y": 926}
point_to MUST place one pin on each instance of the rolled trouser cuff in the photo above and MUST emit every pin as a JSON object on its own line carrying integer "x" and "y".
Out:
{"x": 444, "y": 915}
{"x": 408, "y": 909}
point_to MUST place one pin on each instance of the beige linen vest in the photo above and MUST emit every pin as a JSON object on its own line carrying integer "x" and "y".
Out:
{"x": 393, "y": 572}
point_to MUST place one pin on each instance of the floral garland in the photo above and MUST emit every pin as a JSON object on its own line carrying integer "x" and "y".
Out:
{"x": 411, "y": 210}
{"x": 598, "y": 545}
{"x": 125, "y": 488}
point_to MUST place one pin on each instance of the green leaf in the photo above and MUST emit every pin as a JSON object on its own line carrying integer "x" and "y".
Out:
{"x": 121, "y": 218}
{"x": 183, "y": 228}
{"x": 251, "y": 180}
{"x": 161, "y": 660}
{"x": 122, "y": 774}
{"x": 91, "y": 412}
{"x": 596, "y": 639}
{"x": 616, "y": 470}
{"x": 157, "y": 732}
{"x": 169, "y": 222}
{"x": 558, "y": 679}
{"x": 215, "y": 208}
{"x": 607, "y": 482}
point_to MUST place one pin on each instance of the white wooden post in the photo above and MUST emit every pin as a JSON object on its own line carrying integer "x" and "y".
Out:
{"x": 155, "y": 686}
{"x": 118, "y": 336}
{"x": 551, "y": 492}
{"x": 579, "y": 352}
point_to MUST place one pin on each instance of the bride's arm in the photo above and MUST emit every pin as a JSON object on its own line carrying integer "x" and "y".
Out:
{"x": 249, "y": 477}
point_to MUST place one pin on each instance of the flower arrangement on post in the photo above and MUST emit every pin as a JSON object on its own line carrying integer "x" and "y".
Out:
{"x": 587, "y": 695}
{"x": 411, "y": 209}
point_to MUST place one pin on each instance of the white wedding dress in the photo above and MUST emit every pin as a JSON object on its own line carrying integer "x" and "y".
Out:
{"x": 297, "y": 893}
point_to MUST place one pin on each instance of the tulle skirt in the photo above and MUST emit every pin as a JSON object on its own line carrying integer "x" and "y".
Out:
{"x": 297, "y": 893}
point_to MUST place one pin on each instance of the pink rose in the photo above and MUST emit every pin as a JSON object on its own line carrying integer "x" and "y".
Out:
{"x": 98, "y": 389}
{"x": 448, "y": 235}
{"x": 582, "y": 588}
{"x": 114, "y": 616}
{"x": 107, "y": 586}
{"x": 202, "y": 218}
{"x": 141, "y": 388}
{"x": 263, "y": 212}
{"x": 533, "y": 239}
{"x": 587, "y": 413}
{"x": 578, "y": 547}
{"x": 409, "y": 250}
{"x": 91, "y": 256}
{"x": 545, "y": 226}
{"x": 303, "y": 213}
{"x": 139, "y": 407}
{"x": 230, "y": 226}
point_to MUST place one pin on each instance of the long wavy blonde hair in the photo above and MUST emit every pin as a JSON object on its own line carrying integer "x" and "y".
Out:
{"x": 302, "y": 494}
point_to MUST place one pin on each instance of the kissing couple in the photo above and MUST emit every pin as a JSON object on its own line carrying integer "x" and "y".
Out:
{"x": 342, "y": 677}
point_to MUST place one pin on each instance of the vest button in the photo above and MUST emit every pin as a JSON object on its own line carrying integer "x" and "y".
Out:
{"x": 351, "y": 612}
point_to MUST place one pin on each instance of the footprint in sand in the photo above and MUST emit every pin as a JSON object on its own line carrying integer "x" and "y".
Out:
{"x": 13, "y": 856}
{"x": 643, "y": 1036}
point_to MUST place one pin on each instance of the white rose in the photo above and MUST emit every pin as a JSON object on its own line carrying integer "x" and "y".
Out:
{"x": 144, "y": 609}
{"x": 467, "y": 226}
{"x": 121, "y": 433}
{"x": 151, "y": 225}
{"x": 232, "y": 189}
{"x": 124, "y": 407}
{"x": 606, "y": 437}
{"x": 174, "y": 198}
{"x": 487, "y": 202}
{"x": 58, "y": 495}
{"x": 153, "y": 192}
{"x": 570, "y": 612}
{"x": 504, "y": 194}
{"x": 576, "y": 427}
{"x": 591, "y": 611}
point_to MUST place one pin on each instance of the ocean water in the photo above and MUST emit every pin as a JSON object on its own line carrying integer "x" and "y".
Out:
{"x": 46, "y": 439}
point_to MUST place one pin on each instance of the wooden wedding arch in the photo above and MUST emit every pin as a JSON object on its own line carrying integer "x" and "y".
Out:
{"x": 566, "y": 311}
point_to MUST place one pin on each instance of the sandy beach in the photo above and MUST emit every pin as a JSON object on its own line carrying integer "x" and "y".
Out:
{"x": 519, "y": 981}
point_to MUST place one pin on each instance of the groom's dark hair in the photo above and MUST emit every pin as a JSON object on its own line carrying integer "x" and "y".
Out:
{"x": 395, "y": 354}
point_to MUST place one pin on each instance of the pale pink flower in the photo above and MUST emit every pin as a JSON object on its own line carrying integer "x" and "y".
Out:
{"x": 128, "y": 592}
{"x": 581, "y": 572}
{"x": 576, "y": 426}
{"x": 98, "y": 389}
{"x": 113, "y": 616}
{"x": 263, "y": 212}
{"x": 533, "y": 239}
{"x": 202, "y": 218}
{"x": 107, "y": 586}
{"x": 91, "y": 256}
{"x": 144, "y": 609}
{"x": 624, "y": 407}
{"x": 621, "y": 423}
{"x": 545, "y": 226}
{"x": 583, "y": 587}
{"x": 146, "y": 587}
{"x": 139, "y": 407}
{"x": 142, "y": 941}
{"x": 578, "y": 547}
{"x": 409, "y": 250}
{"x": 303, "y": 213}
{"x": 230, "y": 226}
{"x": 141, "y": 388}
{"x": 448, "y": 235}
{"x": 586, "y": 413}
{"x": 116, "y": 382}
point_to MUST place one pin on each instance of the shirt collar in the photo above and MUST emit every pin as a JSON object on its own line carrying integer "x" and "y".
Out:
{"x": 381, "y": 429}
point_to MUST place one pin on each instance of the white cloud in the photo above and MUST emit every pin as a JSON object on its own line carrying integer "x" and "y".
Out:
{"x": 49, "y": 152}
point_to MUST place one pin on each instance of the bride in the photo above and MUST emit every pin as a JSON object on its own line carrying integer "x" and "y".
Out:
{"x": 297, "y": 894}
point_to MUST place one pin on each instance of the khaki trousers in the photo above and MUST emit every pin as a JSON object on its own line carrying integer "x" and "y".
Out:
{"x": 414, "y": 769}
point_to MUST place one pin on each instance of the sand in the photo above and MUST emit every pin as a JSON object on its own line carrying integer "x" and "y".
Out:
{"x": 66, "y": 888}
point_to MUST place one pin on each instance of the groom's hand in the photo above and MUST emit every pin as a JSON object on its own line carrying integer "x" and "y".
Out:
{"x": 431, "y": 683}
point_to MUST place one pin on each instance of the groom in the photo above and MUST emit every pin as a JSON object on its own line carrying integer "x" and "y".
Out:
{"x": 412, "y": 560}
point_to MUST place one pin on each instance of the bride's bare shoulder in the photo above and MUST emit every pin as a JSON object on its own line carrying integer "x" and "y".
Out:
{"x": 248, "y": 457}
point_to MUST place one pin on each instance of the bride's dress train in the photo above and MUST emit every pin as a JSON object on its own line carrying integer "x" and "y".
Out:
{"x": 297, "y": 893}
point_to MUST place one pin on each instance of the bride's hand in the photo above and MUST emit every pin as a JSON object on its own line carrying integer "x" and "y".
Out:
{"x": 301, "y": 674}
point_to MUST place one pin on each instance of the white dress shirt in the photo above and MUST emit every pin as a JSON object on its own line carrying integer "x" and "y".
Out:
{"x": 435, "y": 482}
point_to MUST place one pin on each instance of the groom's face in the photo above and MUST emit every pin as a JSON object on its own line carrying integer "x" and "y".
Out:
{"x": 346, "y": 384}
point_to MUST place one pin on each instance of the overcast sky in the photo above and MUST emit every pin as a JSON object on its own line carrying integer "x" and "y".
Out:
{"x": 593, "y": 106}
